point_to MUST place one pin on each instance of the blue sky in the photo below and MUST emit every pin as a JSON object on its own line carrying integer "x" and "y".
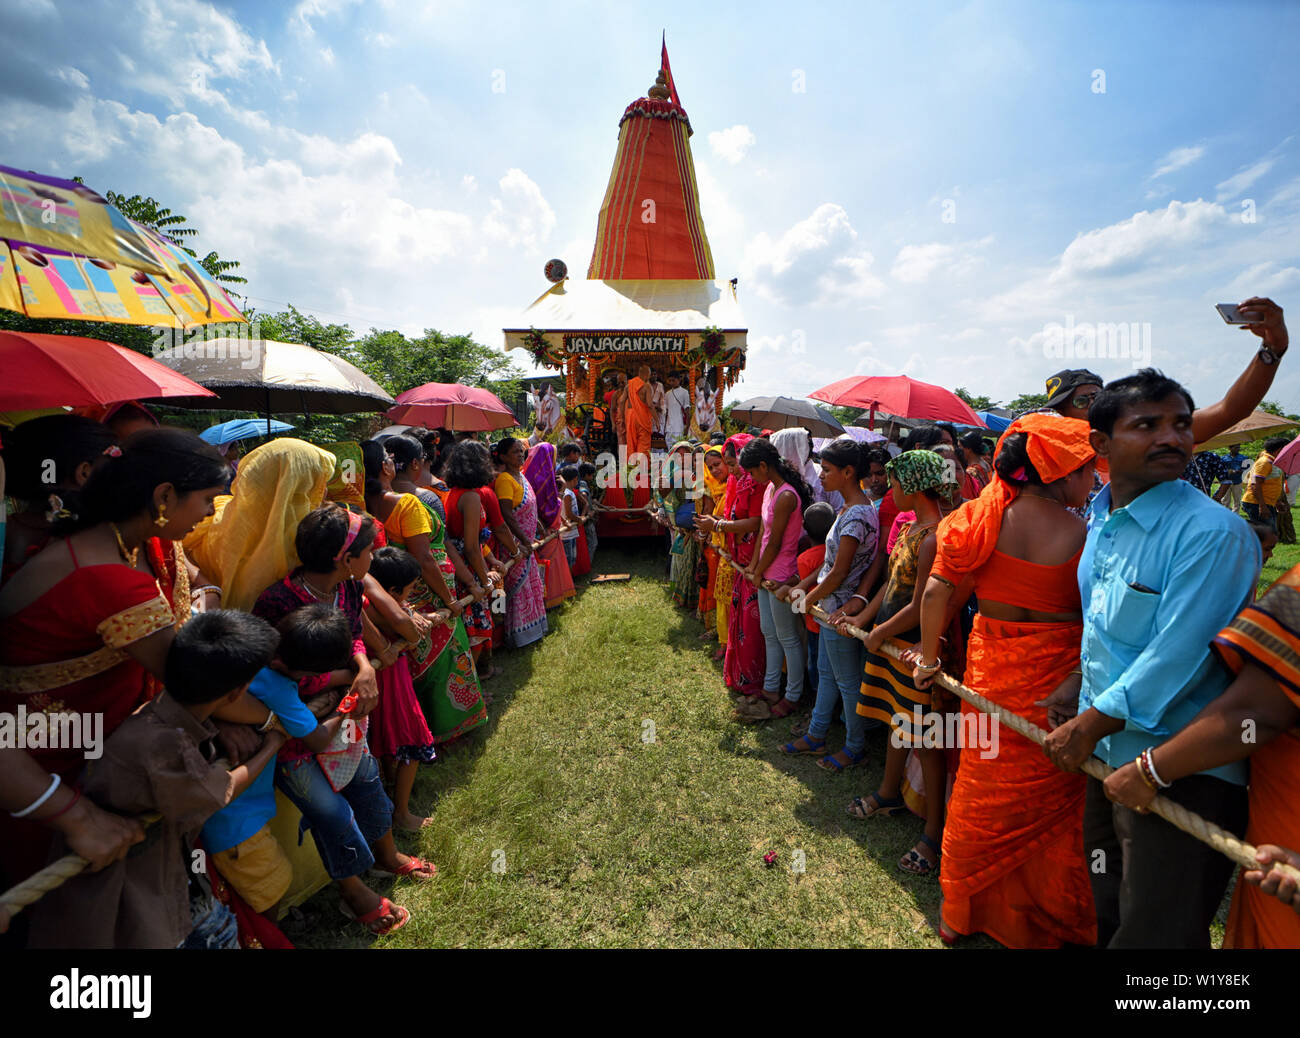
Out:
{"x": 949, "y": 182}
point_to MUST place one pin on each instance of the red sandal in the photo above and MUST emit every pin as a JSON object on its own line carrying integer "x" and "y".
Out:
{"x": 413, "y": 868}
{"x": 386, "y": 907}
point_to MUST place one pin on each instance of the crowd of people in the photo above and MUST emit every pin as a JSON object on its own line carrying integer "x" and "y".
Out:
{"x": 268, "y": 655}
{"x": 1078, "y": 574}
{"x": 281, "y": 653}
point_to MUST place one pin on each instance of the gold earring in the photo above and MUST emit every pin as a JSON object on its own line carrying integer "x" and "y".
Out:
{"x": 161, "y": 521}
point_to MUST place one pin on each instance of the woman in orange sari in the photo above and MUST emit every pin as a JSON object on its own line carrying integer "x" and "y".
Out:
{"x": 1262, "y": 647}
{"x": 1013, "y": 863}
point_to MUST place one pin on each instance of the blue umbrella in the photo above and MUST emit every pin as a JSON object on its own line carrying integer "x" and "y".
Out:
{"x": 243, "y": 429}
{"x": 994, "y": 421}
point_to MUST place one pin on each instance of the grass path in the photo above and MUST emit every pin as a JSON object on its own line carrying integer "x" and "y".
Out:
{"x": 602, "y": 839}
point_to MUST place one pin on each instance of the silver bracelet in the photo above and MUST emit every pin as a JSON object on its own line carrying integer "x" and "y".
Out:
{"x": 1151, "y": 763}
{"x": 852, "y": 597}
{"x": 54, "y": 784}
{"x": 270, "y": 720}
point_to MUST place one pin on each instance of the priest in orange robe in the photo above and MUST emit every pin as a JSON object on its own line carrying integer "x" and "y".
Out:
{"x": 640, "y": 413}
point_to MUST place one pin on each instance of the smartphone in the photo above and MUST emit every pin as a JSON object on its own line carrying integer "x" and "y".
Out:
{"x": 1230, "y": 314}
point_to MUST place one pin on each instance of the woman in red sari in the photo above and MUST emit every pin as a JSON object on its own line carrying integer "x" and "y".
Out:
{"x": 746, "y": 659}
{"x": 86, "y": 624}
{"x": 1013, "y": 864}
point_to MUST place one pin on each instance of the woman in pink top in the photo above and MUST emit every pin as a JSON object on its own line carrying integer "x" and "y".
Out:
{"x": 784, "y": 498}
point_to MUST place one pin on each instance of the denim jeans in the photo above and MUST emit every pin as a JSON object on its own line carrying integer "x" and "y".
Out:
{"x": 839, "y": 666}
{"x": 813, "y": 682}
{"x": 571, "y": 551}
{"x": 214, "y": 925}
{"x": 780, "y": 626}
{"x": 345, "y": 824}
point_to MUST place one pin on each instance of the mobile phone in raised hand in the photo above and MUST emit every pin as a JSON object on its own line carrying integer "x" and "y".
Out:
{"x": 1231, "y": 314}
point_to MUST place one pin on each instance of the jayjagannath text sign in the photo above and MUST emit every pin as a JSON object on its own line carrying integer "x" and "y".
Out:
{"x": 634, "y": 342}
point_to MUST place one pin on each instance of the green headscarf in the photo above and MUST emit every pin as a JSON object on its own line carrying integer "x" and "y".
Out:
{"x": 919, "y": 470}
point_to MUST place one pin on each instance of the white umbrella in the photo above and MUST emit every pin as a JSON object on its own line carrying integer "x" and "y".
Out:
{"x": 273, "y": 378}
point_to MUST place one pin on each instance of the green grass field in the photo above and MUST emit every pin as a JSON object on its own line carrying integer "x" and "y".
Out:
{"x": 601, "y": 838}
{"x": 612, "y": 802}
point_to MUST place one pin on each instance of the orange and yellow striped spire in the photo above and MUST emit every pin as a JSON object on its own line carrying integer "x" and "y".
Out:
{"x": 650, "y": 226}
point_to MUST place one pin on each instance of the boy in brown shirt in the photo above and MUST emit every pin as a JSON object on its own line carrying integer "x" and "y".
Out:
{"x": 161, "y": 760}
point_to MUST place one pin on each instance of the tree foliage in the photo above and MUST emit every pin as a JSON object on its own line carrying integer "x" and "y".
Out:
{"x": 975, "y": 403}
{"x": 1027, "y": 402}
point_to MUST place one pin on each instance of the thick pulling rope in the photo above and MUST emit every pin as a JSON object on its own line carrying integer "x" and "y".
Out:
{"x": 37, "y": 885}
{"x": 1172, "y": 812}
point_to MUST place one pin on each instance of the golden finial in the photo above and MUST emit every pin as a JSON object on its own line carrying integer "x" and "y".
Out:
{"x": 660, "y": 89}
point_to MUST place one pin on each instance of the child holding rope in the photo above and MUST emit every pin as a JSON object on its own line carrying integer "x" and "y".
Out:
{"x": 161, "y": 760}
{"x": 399, "y": 733}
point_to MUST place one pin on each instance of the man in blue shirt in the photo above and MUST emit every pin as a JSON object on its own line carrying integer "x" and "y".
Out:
{"x": 1163, "y": 570}
{"x": 1232, "y": 469}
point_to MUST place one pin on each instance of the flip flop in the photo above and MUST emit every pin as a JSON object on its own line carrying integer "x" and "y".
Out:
{"x": 883, "y": 807}
{"x": 415, "y": 868}
{"x": 386, "y": 907}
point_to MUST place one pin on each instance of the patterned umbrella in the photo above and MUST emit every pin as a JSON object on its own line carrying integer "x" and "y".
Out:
{"x": 43, "y": 282}
{"x": 66, "y": 216}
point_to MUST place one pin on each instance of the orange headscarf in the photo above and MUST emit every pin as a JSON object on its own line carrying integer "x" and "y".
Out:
{"x": 1056, "y": 446}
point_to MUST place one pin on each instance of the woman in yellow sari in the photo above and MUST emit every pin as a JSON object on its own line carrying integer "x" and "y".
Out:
{"x": 248, "y": 543}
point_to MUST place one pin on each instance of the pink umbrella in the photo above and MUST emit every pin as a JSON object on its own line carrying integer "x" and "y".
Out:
{"x": 1288, "y": 458}
{"x": 449, "y": 405}
{"x": 901, "y": 396}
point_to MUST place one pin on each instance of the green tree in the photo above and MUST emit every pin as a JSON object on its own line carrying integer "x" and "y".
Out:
{"x": 1273, "y": 407}
{"x": 975, "y": 403}
{"x": 1027, "y": 402}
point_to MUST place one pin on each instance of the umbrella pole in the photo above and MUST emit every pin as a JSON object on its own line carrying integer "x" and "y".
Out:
{"x": 268, "y": 410}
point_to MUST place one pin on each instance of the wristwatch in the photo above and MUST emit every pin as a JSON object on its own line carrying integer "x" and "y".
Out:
{"x": 1267, "y": 356}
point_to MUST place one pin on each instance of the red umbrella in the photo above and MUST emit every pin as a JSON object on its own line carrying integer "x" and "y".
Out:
{"x": 449, "y": 405}
{"x": 899, "y": 395}
{"x": 72, "y": 371}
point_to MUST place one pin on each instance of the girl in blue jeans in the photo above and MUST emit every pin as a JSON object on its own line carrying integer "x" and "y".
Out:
{"x": 851, "y": 551}
{"x": 775, "y": 566}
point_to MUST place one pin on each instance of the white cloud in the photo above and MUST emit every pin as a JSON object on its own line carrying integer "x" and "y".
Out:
{"x": 916, "y": 263}
{"x": 521, "y": 215}
{"x": 1238, "y": 182}
{"x": 731, "y": 144}
{"x": 816, "y": 260}
{"x": 1265, "y": 279}
{"x": 327, "y": 55}
{"x": 74, "y": 76}
{"x": 1123, "y": 246}
{"x": 306, "y": 11}
{"x": 1177, "y": 159}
